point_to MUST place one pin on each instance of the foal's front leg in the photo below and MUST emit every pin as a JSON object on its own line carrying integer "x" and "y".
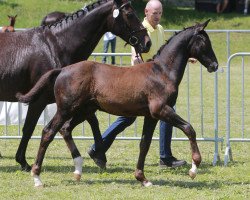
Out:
{"x": 147, "y": 133}
{"x": 167, "y": 114}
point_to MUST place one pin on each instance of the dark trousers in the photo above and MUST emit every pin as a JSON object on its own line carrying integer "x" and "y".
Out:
{"x": 106, "y": 47}
{"x": 123, "y": 122}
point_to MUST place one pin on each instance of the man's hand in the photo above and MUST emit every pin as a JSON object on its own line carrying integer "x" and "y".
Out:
{"x": 192, "y": 60}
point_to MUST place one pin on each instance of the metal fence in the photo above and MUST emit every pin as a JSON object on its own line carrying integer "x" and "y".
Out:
{"x": 243, "y": 133}
{"x": 209, "y": 130}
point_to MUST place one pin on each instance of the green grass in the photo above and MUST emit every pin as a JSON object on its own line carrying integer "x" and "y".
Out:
{"x": 118, "y": 181}
{"x": 232, "y": 182}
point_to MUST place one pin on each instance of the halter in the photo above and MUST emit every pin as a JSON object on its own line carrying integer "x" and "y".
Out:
{"x": 133, "y": 40}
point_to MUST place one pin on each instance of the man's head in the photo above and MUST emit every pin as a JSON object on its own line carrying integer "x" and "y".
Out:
{"x": 153, "y": 12}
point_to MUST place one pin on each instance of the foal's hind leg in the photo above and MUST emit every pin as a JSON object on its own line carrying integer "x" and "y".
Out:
{"x": 147, "y": 133}
{"x": 167, "y": 114}
{"x": 48, "y": 135}
{"x": 66, "y": 132}
{"x": 33, "y": 114}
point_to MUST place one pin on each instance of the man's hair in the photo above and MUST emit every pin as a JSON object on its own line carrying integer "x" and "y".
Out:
{"x": 149, "y": 4}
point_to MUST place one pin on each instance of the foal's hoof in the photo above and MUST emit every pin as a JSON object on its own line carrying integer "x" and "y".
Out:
{"x": 38, "y": 186}
{"x": 192, "y": 174}
{"x": 77, "y": 176}
{"x": 146, "y": 183}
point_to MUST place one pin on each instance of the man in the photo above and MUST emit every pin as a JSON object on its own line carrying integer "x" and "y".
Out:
{"x": 221, "y": 5}
{"x": 153, "y": 13}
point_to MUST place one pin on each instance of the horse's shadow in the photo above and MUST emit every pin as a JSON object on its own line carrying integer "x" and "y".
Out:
{"x": 206, "y": 168}
{"x": 216, "y": 184}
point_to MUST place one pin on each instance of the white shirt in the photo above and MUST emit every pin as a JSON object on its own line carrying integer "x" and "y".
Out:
{"x": 108, "y": 36}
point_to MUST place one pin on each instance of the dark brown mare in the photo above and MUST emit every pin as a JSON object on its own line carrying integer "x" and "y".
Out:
{"x": 53, "y": 17}
{"x": 27, "y": 55}
{"x": 149, "y": 89}
{"x": 10, "y": 28}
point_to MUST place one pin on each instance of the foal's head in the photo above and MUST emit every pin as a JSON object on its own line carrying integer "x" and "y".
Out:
{"x": 10, "y": 28}
{"x": 12, "y": 20}
{"x": 200, "y": 47}
{"x": 127, "y": 25}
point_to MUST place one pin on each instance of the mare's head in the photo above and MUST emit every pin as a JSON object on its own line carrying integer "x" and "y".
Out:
{"x": 128, "y": 26}
{"x": 200, "y": 48}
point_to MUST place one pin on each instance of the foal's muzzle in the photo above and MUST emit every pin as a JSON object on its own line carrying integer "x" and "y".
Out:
{"x": 213, "y": 67}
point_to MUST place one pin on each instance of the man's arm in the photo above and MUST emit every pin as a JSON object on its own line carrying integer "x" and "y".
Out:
{"x": 135, "y": 59}
{"x": 192, "y": 60}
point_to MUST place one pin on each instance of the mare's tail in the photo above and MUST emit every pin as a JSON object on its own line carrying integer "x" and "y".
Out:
{"x": 47, "y": 80}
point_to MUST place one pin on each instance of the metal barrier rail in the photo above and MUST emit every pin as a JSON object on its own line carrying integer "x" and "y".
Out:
{"x": 228, "y": 151}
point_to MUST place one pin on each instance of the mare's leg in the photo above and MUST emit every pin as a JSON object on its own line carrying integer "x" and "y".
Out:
{"x": 147, "y": 134}
{"x": 167, "y": 114}
{"x": 33, "y": 114}
{"x": 48, "y": 135}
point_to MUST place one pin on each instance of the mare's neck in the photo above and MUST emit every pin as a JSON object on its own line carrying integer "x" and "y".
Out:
{"x": 78, "y": 38}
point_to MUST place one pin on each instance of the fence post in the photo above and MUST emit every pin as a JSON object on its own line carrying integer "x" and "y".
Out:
{"x": 228, "y": 151}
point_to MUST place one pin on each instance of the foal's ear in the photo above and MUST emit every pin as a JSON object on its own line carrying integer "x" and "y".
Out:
{"x": 201, "y": 27}
{"x": 206, "y": 23}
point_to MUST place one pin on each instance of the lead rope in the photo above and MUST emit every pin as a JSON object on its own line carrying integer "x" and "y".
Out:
{"x": 138, "y": 55}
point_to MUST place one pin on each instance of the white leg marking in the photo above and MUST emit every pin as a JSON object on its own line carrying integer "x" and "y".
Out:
{"x": 37, "y": 181}
{"x": 193, "y": 170}
{"x": 78, "y": 167}
{"x": 147, "y": 183}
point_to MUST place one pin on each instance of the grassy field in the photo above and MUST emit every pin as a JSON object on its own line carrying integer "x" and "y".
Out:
{"x": 117, "y": 182}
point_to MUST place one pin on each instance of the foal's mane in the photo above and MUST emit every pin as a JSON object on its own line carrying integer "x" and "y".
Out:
{"x": 168, "y": 41}
{"x": 71, "y": 17}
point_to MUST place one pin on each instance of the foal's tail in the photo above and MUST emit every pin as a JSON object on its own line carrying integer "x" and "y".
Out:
{"x": 47, "y": 80}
